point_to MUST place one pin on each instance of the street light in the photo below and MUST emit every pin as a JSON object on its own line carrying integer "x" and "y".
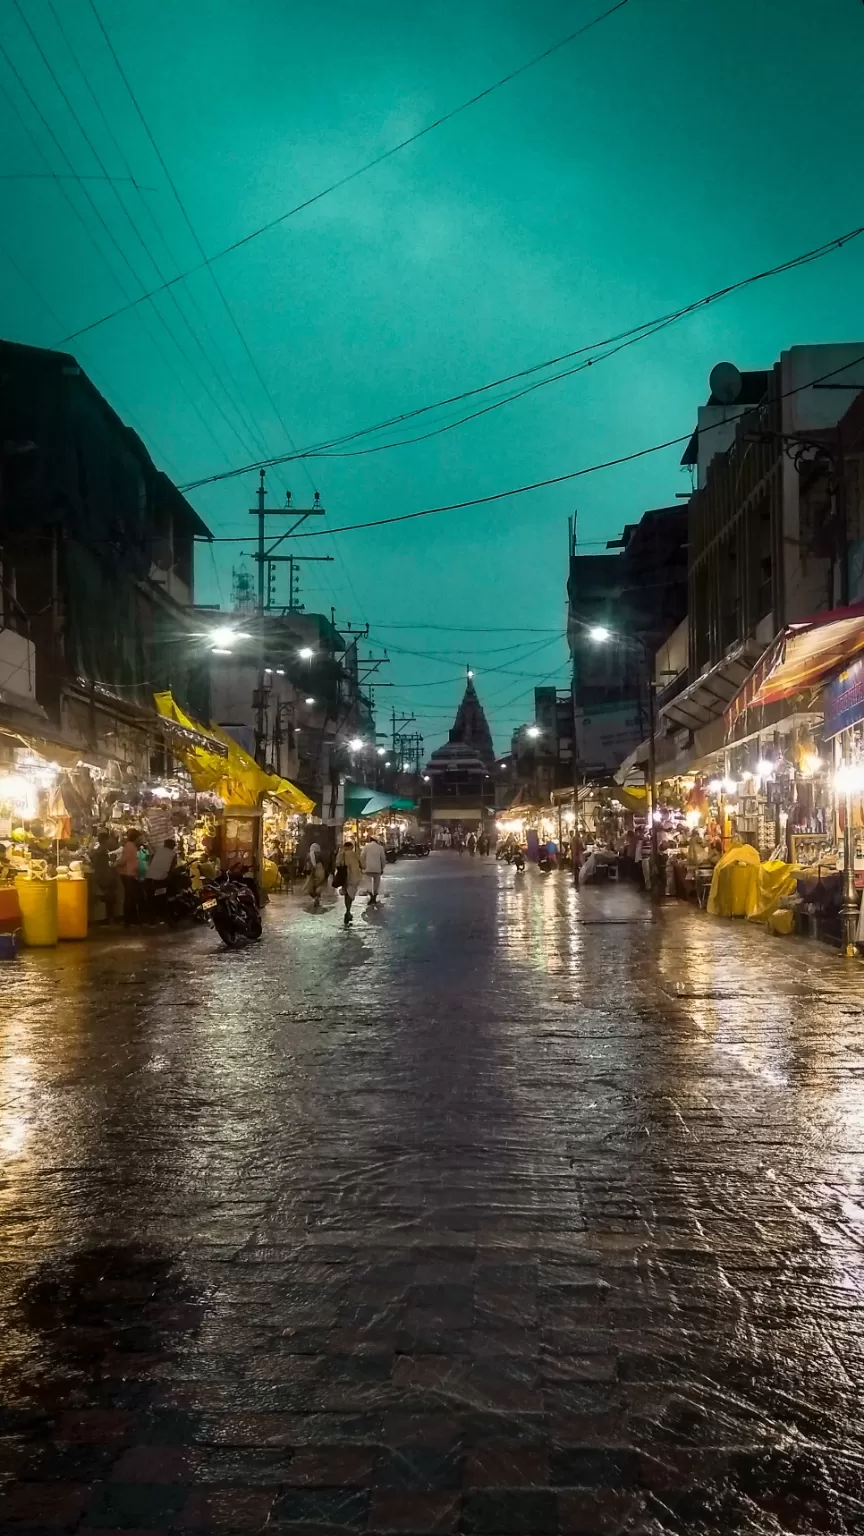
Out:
{"x": 356, "y": 744}
{"x": 382, "y": 751}
{"x": 600, "y": 635}
{"x": 306, "y": 653}
{"x": 310, "y": 701}
{"x": 223, "y": 635}
{"x": 533, "y": 731}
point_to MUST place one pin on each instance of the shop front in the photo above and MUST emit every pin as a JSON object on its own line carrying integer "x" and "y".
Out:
{"x": 793, "y": 779}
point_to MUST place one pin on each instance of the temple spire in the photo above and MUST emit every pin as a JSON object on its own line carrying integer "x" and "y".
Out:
{"x": 471, "y": 725}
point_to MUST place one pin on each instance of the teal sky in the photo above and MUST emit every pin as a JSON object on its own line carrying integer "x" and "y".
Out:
{"x": 679, "y": 146}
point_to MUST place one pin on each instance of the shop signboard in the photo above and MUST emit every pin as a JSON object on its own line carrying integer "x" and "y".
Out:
{"x": 843, "y": 700}
{"x": 606, "y": 735}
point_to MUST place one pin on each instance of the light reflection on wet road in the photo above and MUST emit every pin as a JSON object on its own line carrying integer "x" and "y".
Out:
{"x": 510, "y": 1210}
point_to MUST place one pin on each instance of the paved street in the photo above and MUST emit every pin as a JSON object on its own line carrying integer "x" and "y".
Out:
{"x": 510, "y": 1210}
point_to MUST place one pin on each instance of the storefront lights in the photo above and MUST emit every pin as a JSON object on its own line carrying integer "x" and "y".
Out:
{"x": 849, "y": 780}
{"x": 310, "y": 701}
{"x": 692, "y": 819}
{"x": 810, "y": 764}
{"x": 765, "y": 768}
{"x": 21, "y": 794}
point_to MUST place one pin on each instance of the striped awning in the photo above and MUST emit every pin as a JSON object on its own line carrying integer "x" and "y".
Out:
{"x": 804, "y": 656}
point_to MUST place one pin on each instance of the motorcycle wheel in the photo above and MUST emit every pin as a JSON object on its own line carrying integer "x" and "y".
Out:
{"x": 231, "y": 936}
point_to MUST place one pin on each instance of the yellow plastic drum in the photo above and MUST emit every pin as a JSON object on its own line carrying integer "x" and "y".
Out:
{"x": 38, "y": 902}
{"x": 269, "y": 875}
{"x": 72, "y": 909}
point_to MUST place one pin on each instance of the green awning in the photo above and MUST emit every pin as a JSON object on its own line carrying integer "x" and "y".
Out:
{"x": 360, "y": 800}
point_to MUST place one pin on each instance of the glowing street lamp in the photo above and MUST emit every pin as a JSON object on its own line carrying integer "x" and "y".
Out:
{"x": 533, "y": 731}
{"x": 598, "y": 634}
{"x": 356, "y": 744}
{"x": 306, "y": 653}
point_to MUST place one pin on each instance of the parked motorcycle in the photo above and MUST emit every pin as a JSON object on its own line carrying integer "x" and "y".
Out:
{"x": 231, "y": 907}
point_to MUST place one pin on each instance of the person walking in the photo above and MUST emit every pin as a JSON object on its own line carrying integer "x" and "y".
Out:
{"x": 471, "y": 844}
{"x": 127, "y": 868}
{"x": 317, "y": 876}
{"x": 347, "y": 877}
{"x": 374, "y": 862}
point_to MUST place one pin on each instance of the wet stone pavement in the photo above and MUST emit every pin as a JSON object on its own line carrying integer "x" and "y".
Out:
{"x": 510, "y": 1210}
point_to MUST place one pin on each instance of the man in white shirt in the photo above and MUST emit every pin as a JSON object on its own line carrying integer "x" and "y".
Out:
{"x": 162, "y": 862}
{"x": 373, "y": 860}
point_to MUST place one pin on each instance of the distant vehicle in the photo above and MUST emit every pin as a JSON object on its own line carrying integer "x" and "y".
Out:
{"x": 415, "y": 848}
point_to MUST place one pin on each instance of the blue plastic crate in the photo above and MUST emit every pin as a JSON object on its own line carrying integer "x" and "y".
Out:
{"x": 8, "y": 946}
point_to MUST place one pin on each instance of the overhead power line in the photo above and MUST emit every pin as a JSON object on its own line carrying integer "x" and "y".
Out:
{"x": 90, "y": 234}
{"x": 616, "y": 343}
{"x": 361, "y": 170}
{"x": 573, "y": 474}
{"x": 189, "y": 225}
{"x": 136, "y": 232}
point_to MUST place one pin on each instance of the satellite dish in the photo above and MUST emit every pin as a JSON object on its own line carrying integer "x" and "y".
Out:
{"x": 726, "y": 383}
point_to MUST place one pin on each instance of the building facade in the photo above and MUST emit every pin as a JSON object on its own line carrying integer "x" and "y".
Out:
{"x": 313, "y": 703}
{"x": 638, "y": 595}
{"x": 96, "y": 567}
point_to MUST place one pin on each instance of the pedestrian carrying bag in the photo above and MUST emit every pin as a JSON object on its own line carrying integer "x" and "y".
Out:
{"x": 340, "y": 875}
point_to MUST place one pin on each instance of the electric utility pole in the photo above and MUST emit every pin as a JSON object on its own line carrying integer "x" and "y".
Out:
{"x": 262, "y": 556}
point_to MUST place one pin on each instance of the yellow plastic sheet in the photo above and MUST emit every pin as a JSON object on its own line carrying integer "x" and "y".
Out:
{"x": 776, "y": 880}
{"x": 734, "y": 888}
{"x": 745, "y": 887}
{"x": 236, "y": 778}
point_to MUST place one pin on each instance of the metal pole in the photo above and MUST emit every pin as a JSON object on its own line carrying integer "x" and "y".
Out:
{"x": 260, "y": 752}
{"x": 652, "y": 776}
{"x": 654, "y": 828}
{"x": 849, "y": 909}
{"x": 574, "y": 764}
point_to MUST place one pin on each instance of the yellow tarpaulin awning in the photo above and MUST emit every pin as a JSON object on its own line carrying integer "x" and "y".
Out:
{"x": 224, "y": 768}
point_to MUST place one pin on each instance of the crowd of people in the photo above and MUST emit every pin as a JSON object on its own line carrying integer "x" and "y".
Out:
{"x": 129, "y": 877}
{"x": 461, "y": 842}
{"x": 350, "y": 866}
